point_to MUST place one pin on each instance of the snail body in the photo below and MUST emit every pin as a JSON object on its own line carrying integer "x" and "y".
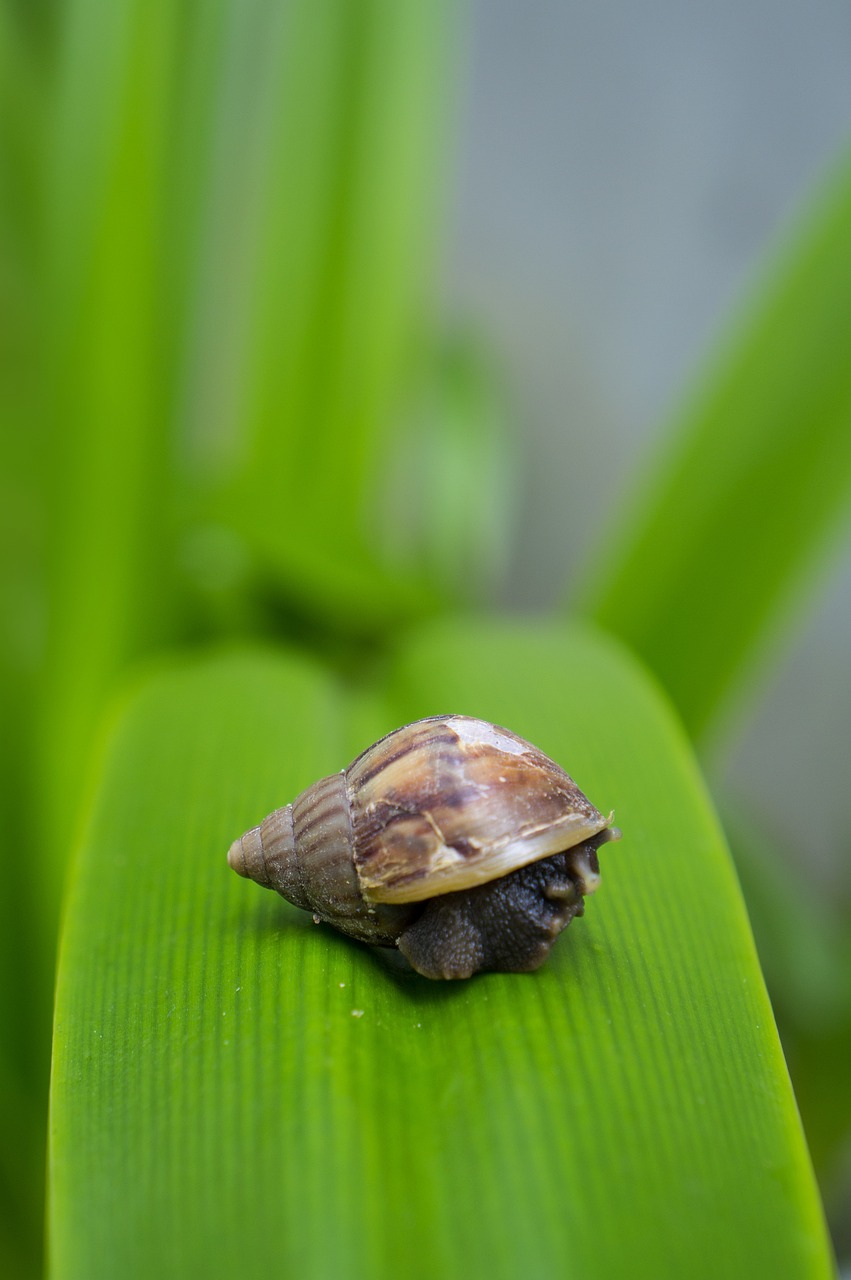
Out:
{"x": 451, "y": 838}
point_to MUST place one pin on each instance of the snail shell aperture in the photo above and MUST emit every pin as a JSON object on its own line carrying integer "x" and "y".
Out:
{"x": 452, "y": 839}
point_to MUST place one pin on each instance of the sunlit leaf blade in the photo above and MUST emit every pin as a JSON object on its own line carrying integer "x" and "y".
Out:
{"x": 751, "y": 482}
{"x": 255, "y": 1096}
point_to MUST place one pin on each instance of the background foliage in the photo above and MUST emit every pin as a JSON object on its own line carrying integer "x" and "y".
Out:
{"x": 229, "y": 414}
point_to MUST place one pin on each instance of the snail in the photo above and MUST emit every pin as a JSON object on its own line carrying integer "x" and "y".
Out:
{"x": 452, "y": 839}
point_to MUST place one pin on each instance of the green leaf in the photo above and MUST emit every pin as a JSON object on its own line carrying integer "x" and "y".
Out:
{"x": 238, "y": 1092}
{"x": 808, "y": 967}
{"x": 443, "y": 497}
{"x": 105, "y": 461}
{"x": 320, "y": 186}
{"x": 22, "y": 1148}
{"x": 24, "y": 987}
{"x": 750, "y": 486}
{"x": 804, "y": 945}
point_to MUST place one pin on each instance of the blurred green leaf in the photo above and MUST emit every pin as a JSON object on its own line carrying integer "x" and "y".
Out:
{"x": 26, "y": 952}
{"x": 22, "y": 1149}
{"x": 443, "y": 498}
{"x": 819, "y": 1060}
{"x": 22, "y": 110}
{"x": 252, "y": 1095}
{"x": 805, "y": 951}
{"x": 309, "y": 278}
{"x": 749, "y": 488}
{"x": 106, "y": 333}
{"x": 801, "y": 938}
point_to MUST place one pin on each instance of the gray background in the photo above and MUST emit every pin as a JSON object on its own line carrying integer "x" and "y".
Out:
{"x": 620, "y": 172}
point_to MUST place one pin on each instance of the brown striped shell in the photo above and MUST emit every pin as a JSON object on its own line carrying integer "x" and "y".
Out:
{"x": 451, "y": 838}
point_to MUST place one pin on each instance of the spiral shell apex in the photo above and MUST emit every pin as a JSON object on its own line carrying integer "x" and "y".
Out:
{"x": 451, "y": 838}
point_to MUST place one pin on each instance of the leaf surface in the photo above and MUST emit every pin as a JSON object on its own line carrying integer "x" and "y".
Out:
{"x": 245, "y": 1093}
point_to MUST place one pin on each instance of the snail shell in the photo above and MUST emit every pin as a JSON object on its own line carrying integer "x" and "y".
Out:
{"x": 452, "y": 839}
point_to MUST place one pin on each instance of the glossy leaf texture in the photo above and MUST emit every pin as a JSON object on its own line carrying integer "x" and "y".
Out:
{"x": 254, "y": 1095}
{"x": 752, "y": 484}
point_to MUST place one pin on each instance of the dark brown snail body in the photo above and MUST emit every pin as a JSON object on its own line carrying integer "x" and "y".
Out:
{"x": 452, "y": 839}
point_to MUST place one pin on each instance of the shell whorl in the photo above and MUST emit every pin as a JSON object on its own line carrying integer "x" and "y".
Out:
{"x": 322, "y": 829}
{"x": 304, "y": 852}
{"x": 266, "y": 854}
